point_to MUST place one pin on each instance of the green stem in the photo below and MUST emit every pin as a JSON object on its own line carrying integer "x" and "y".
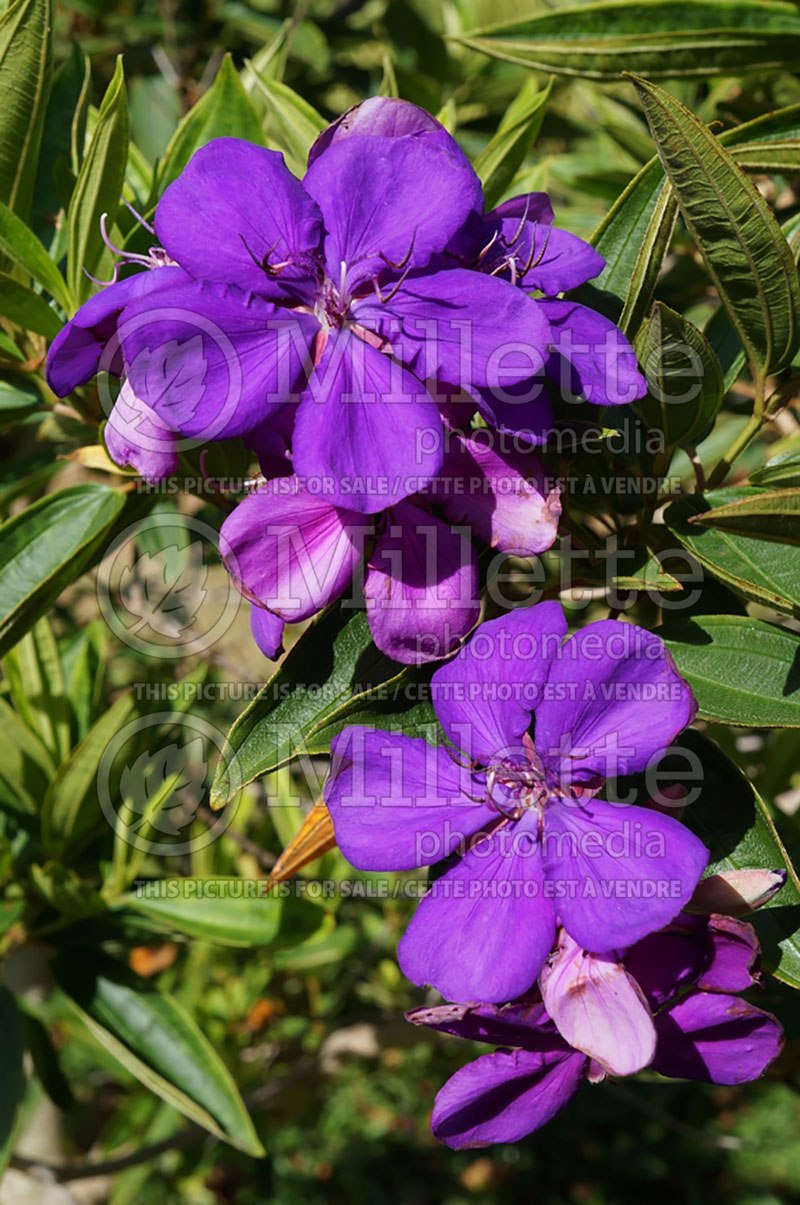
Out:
{"x": 745, "y": 436}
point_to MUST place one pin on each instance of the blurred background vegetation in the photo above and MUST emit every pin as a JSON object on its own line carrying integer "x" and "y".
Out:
{"x": 339, "y": 1086}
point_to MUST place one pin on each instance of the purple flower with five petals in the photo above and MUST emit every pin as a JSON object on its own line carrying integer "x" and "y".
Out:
{"x": 607, "y": 1014}
{"x": 518, "y": 816}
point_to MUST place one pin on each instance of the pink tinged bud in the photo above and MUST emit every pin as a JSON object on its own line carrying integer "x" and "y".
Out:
{"x": 736, "y": 892}
{"x": 598, "y": 1008}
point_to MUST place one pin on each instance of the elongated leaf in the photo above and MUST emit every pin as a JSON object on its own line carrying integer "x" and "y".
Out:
{"x": 760, "y": 514}
{"x": 12, "y": 1049}
{"x": 155, "y": 1039}
{"x": 745, "y": 252}
{"x": 660, "y": 38}
{"x": 70, "y": 806}
{"x": 26, "y": 71}
{"x": 742, "y": 670}
{"x": 98, "y": 188}
{"x": 63, "y": 137}
{"x": 518, "y": 130}
{"x": 228, "y": 911}
{"x": 647, "y": 268}
{"x": 25, "y": 765}
{"x": 758, "y": 569}
{"x": 225, "y": 111}
{"x": 683, "y": 375}
{"x": 733, "y": 821}
{"x": 45, "y": 547}
{"x": 19, "y": 398}
{"x": 781, "y": 472}
{"x": 762, "y": 158}
{"x": 295, "y": 122}
{"x": 36, "y": 680}
{"x": 22, "y": 246}
{"x": 27, "y": 309}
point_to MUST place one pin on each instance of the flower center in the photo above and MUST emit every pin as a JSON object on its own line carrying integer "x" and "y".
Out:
{"x": 333, "y": 300}
{"x": 516, "y": 785}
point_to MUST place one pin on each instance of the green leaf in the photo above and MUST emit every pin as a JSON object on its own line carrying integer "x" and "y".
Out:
{"x": 733, "y": 821}
{"x": 45, "y": 547}
{"x": 63, "y": 137}
{"x": 25, "y": 765}
{"x": 745, "y": 252}
{"x": 650, "y": 257}
{"x": 758, "y": 569}
{"x": 70, "y": 805}
{"x": 19, "y": 398}
{"x": 27, "y": 309}
{"x": 221, "y": 910}
{"x": 36, "y": 680}
{"x": 684, "y": 377}
{"x": 519, "y": 128}
{"x": 225, "y": 111}
{"x": 296, "y": 122}
{"x": 781, "y": 471}
{"x": 21, "y": 245}
{"x": 98, "y": 188}
{"x": 659, "y": 38}
{"x": 12, "y": 1048}
{"x": 759, "y": 514}
{"x": 154, "y": 1038}
{"x": 26, "y": 69}
{"x": 742, "y": 671}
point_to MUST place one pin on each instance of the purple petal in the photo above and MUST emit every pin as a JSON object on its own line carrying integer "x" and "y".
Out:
{"x": 386, "y": 116}
{"x": 502, "y": 1097}
{"x": 664, "y": 962}
{"x": 486, "y": 925}
{"x": 735, "y": 956}
{"x": 623, "y": 871}
{"x": 535, "y": 255}
{"x": 502, "y": 496}
{"x": 377, "y": 209}
{"x": 591, "y": 348}
{"x": 291, "y": 551}
{"x": 533, "y": 206}
{"x": 524, "y": 410}
{"x": 524, "y": 1024}
{"x": 366, "y": 428}
{"x": 462, "y": 327}
{"x": 267, "y": 630}
{"x": 135, "y": 435}
{"x": 598, "y": 1008}
{"x": 715, "y": 1039}
{"x": 214, "y": 362}
{"x": 421, "y": 588}
{"x": 485, "y": 695}
{"x": 75, "y": 353}
{"x": 237, "y": 215}
{"x": 617, "y": 702}
{"x": 398, "y": 802}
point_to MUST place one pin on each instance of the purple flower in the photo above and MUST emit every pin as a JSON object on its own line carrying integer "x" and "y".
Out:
{"x": 135, "y": 435}
{"x": 528, "y": 839}
{"x": 609, "y": 1013}
{"x": 292, "y": 552}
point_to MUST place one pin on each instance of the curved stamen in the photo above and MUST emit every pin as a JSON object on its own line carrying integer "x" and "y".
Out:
{"x": 138, "y": 217}
{"x": 128, "y": 256}
{"x": 405, "y": 258}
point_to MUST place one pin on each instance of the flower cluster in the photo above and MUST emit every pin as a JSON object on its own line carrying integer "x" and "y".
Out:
{"x": 348, "y": 327}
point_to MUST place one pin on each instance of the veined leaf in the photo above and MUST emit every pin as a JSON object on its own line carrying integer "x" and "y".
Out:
{"x": 742, "y": 670}
{"x": 225, "y": 111}
{"x": 98, "y": 188}
{"x": 45, "y": 547}
{"x": 646, "y": 271}
{"x": 780, "y": 472}
{"x": 19, "y": 244}
{"x": 659, "y": 38}
{"x": 154, "y": 1038}
{"x": 759, "y": 514}
{"x": 745, "y": 252}
{"x": 220, "y": 910}
{"x": 684, "y": 377}
{"x": 296, "y": 122}
{"x": 497, "y": 164}
{"x": 26, "y": 70}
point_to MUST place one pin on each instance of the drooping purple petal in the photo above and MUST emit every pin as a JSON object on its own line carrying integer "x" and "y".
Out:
{"x": 591, "y": 349}
{"x": 385, "y": 116}
{"x": 421, "y": 587}
{"x": 398, "y": 802}
{"x": 237, "y": 215}
{"x": 212, "y": 361}
{"x": 75, "y": 353}
{"x": 484, "y": 696}
{"x": 462, "y": 327}
{"x": 135, "y": 435}
{"x": 291, "y": 551}
{"x": 267, "y": 630}
{"x": 664, "y": 962}
{"x": 624, "y": 871}
{"x": 366, "y": 428}
{"x": 486, "y": 925}
{"x": 716, "y": 1039}
{"x": 598, "y": 1007}
{"x": 502, "y": 496}
{"x": 522, "y": 1023}
{"x": 501, "y": 1097}
{"x": 617, "y": 702}
{"x": 378, "y": 211}
{"x": 524, "y": 411}
{"x": 735, "y": 956}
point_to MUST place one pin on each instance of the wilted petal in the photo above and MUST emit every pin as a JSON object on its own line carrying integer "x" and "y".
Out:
{"x": 135, "y": 435}
{"x": 398, "y": 802}
{"x": 716, "y": 1039}
{"x": 502, "y": 1097}
{"x": 267, "y": 630}
{"x": 737, "y": 892}
{"x": 598, "y": 1007}
{"x": 289, "y": 550}
{"x": 421, "y": 587}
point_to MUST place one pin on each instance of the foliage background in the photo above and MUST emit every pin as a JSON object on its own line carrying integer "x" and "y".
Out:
{"x": 309, "y": 1023}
